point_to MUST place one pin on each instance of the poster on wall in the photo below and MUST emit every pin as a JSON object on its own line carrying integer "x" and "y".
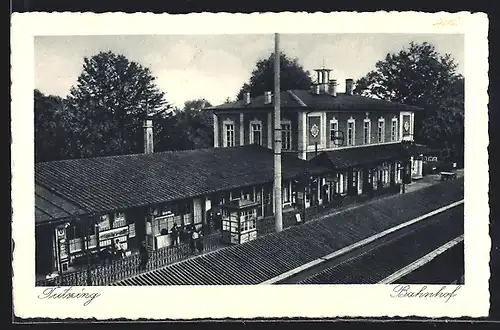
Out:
{"x": 163, "y": 241}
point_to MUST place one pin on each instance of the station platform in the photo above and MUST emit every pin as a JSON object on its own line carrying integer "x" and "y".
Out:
{"x": 274, "y": 254}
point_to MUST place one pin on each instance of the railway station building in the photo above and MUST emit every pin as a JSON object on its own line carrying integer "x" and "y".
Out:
{"x": 334, "y": 145}
{"x": 366, "y": 142}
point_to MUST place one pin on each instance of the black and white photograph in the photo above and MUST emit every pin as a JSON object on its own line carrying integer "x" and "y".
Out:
{"x": 234, "y": 160}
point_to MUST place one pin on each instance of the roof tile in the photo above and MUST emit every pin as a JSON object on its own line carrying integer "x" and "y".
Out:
{"x": 105, "y": 184}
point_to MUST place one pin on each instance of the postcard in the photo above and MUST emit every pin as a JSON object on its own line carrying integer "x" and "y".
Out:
{"x": 266, "y": 165}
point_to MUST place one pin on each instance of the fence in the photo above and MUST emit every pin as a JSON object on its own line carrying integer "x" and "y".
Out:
{"x": 99, "y": 275}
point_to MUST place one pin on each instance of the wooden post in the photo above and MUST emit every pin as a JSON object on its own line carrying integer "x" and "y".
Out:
{"x": 277, "y": 139}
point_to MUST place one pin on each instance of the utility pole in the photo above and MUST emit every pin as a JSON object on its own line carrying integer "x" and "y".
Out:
{"x": 278, "y": 205}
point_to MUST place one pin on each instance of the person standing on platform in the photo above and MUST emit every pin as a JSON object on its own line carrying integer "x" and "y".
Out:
{"x": 144, "y": 254}
{"x": 119, "y": 249}
{"x": 175, "y": 235}
{"x": 194, "y": 240}
{"x": 199, "y": 242}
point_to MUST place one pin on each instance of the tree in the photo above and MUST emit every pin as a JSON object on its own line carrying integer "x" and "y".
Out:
{"x": 421, "y": 76}
{"x": 188, "y": 128}
{"x": 52, "y": 128}
{"x": 111, "y": 98}
{"x": 292, "y": 76}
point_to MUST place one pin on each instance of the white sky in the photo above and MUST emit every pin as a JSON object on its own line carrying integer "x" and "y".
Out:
{"x": 216, "y": 66}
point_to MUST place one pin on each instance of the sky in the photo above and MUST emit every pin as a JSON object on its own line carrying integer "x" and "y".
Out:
{"x": 215, "y": 67}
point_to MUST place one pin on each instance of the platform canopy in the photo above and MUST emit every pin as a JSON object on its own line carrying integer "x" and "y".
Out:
{"x": 371, "y": 154}
{"x": 52, "y": 208}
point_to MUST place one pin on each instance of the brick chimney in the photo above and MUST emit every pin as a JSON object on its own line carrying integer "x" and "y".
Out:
{"x": 246, "y": 98}
{"x": 349, "y": 86}
{"x": 267, "y": 97}
{"x": 148, "y": 134}
{"x": 332, "y": 87}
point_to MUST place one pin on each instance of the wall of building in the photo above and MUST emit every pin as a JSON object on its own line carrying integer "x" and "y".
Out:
{"x": 359, "y": 118}
{"x": 267, "y": 128}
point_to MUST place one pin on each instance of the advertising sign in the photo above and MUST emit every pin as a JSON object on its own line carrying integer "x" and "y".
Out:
{"x": 113, "y": 233}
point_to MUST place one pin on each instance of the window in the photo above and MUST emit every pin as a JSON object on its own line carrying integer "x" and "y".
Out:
{"x": 256, "y": 132}
{"x": 366, "y": 131}
{"x": 380, "y": 134}
{"x": 247, "y": 220}
{"x": 394, "y": 129}
{"x": 350, "y": 132}
{"x": 286, "y": 135}
{"x": 228, "y": 138}
{"x": 334, "y": 127}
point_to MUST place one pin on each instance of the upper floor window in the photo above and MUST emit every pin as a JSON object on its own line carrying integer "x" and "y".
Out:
{"x": 228, "y": 138}
{"x": 350, "y": 132}
{"x": 286, "y": 135}
{"x": 394, "y": 129}
{"x": 256, "y": 132}
{"x": 381, "y": 129}
{"x": 334, "y": 128}
{"x": 366, "y": 131}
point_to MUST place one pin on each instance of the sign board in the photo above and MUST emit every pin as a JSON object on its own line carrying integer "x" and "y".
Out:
{"x": 298, "y": 218}
{"x": 406, "y": 125}
{"x": 314, "y": 124}
{"x": 113, "y": 233}
{"x": 234, "y": 238}
{"x": 162, "y": 241}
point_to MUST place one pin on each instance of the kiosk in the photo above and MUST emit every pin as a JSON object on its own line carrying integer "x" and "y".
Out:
{"x": 239, "y": 221}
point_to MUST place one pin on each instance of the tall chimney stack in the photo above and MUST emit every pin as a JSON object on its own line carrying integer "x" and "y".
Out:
{"x": 349, "y": 86}
{"x": 246, "y": 97}
{"x": 332, "y": 87}
{"x": 148, "y": 134}
{"x": 267, "y": 97}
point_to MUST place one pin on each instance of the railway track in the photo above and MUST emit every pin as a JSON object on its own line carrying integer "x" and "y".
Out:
{"x": 447, "y": 268}
{"x": 270, "y": 256}
{"x": 376, "y": 262}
